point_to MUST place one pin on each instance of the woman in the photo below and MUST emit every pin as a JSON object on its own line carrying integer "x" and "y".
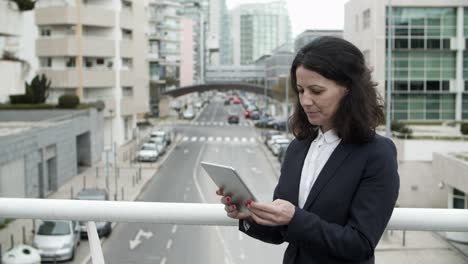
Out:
{"x": 339, "y": 180}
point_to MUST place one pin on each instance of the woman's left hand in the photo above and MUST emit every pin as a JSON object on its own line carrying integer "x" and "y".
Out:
{"x": 278, "y": 212}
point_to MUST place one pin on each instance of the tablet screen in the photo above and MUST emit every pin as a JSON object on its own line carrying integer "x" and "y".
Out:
{"x": 228, "y": 179}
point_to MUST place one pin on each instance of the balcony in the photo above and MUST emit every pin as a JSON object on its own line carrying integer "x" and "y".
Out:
{"x": 62, "y": 15}
{"x": 68, "y": 46}
{"x": 126, "y": 18}
{"x": 127, "y": 78}
{"x": 69, "y": 78}
{"x": 126, "y": 48}
{"x": 128, "y": 106}
{"x": 10, "y": 18}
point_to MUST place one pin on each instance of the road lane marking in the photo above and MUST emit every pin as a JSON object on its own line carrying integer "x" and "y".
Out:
{"x": 163, "y": 261}
{"x": 174, "y": 229}
{"x": 169, "y": 244}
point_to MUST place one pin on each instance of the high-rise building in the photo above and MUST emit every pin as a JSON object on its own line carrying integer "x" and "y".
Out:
{"x": 257, "y": 29}
{"x": 199, "y": 12}
{"x": 97, "y": 49}
{"x": 218, "y": 39}
{"x": 164, "y": 48}
{"x": 309, "y": 35}
{"x": 429, "y": 58}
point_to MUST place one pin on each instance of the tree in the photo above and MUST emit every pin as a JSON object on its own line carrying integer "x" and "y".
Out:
{"x": 25, "y": 5}
{"x": 38, "y": 89}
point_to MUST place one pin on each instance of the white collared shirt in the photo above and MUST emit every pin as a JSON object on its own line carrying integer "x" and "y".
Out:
{"x": 319, "y": 152}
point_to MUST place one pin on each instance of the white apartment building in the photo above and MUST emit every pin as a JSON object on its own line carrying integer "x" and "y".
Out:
{"x": 97, "y": 50}
{"x": 429, "y": 69}
{"x": 16, "y": 65}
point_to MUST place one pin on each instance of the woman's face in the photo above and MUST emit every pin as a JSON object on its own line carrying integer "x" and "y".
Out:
{"x": 319, "y": 97}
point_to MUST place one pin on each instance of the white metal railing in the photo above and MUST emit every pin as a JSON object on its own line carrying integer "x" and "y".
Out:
{"x": 416, "y": 219}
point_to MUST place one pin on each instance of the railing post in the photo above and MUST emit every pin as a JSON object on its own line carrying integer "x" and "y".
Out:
{"x": 23, "y": 230}
{"x": 123, "y": 194}
{"x": 404, "y": 238}
{"x": 84, "y": 181}
{"x": 12, "y": 241}
{"x": 71, "y": 192}
{"x": 0, "y": 251}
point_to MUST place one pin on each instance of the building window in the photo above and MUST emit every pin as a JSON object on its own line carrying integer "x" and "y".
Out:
{"x": 71, "y": 62}
{"x": 45, "y": 62}
{"x": 458, "y": 199}
{"x": 127, "y": 91}
{"x": 45, "y": 32}
{"x": 366, "y": 19}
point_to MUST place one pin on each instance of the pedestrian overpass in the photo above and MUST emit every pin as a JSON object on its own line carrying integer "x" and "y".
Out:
{"x": 253, "y": 88}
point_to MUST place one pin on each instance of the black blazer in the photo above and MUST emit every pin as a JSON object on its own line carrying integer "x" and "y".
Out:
{"x": 347, "y": 209}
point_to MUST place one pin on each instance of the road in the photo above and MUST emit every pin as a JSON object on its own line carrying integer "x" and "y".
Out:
{"x": 181, "y": 179}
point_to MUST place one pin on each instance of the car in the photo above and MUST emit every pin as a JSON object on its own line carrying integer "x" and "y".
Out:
{"x": 273, "y": 140}
{"x": 162, "y": 134}
{"x": 57, "y": 240}
{"x": 157, "y": 144}
{"x": 236, "y": 101}
{"x": 268, "y": 134}
{"x": 227, "y": 102}
{"x": 278, "y": 144}
{"x": 189, "y": 113}
{"x": 233, "y": 118}
{"x": 95, "y": 194}
{"x": 254, "y": 115}
{"x": 148, "y": 153}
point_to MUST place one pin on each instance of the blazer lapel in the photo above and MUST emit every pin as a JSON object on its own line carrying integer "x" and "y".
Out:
{"x": 328, "y": 171}
{"x": 299, "y": 163}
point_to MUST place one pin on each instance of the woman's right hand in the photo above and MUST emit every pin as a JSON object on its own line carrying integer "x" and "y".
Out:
{"x": 231, "y": 208}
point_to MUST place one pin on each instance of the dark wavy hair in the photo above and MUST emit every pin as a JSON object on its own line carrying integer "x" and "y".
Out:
{"x": 360, "y": 110}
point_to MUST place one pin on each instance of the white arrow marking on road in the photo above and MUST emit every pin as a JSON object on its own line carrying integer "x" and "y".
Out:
{"x": 137, "y": 241}
{"x": 254, "y": 169}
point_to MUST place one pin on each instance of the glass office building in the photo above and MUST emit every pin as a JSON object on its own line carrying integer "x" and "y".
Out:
{"x": 429, "y": 63}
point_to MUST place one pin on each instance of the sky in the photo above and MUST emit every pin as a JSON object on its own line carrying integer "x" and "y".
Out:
{"x": 308, "y": 14}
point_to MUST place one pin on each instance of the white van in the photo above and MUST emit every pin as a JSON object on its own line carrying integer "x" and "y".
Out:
{"x": 57, "y": 240}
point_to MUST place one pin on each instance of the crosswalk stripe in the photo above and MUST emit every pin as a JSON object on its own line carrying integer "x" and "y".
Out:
{"x": 210, "y": 139}
{"x": 218, "y": 139}
{"x": 244, "y": 139}
{"x": 227, "y": 139}
{"x": 185, "y": 139}
{"x": 194, "y": 139}
{"x": 252, "y": 139}
{"x": 202, "y": 139}
{"x": 236, "y": 139}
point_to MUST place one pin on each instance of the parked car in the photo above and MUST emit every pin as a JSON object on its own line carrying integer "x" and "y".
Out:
{"x": 264, "y": 122}
{"x": 273, "y": 140}
{"x": 148, "y": 153}
{"x": 164, "y": 134}
{"x": 158, "y": 144}
{"x": 268, "y": 134}
{"x": 227, "y": 102}
{"x": 189, "y": 113}
{"x": 254, "y": 115}
{"x": 233, "y": 118}
{"x": 103, "y": 228}
{"x": 236, "y": 101}
{"x": 275, "y": 147}
{"x": 57, "y": 240}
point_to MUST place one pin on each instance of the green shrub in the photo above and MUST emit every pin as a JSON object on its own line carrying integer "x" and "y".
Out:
{"x": 21, "y": 99}
{"x": 99, "y": 105}
{"x": 464, "y": 128}
{"x": 68, "y": 101}
{"x": 38, "y": 89}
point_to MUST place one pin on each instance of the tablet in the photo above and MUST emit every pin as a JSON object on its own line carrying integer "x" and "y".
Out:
{"x": 232, "y": 184}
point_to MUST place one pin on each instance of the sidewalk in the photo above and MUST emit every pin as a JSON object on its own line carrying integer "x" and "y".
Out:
{"x": 123, "y": 183}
